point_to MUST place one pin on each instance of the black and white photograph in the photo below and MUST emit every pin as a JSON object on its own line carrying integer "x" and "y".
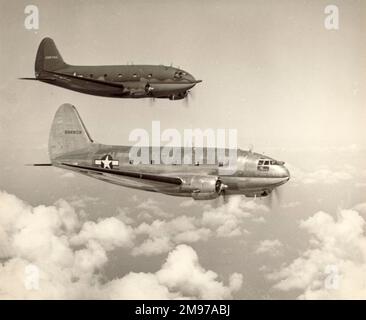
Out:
{"x": 183, "y": 150}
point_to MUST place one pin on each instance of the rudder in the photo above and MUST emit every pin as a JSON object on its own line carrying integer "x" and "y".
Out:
{"x": 48, "y": 57}
{"x": 68, "y": 132}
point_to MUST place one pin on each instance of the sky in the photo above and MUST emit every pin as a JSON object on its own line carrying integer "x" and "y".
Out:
{"x": 294, "y": 91}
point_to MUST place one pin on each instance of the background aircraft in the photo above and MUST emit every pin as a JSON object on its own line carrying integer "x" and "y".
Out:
{"x": 71, "y": 147}
{"x": 122, "y": 81}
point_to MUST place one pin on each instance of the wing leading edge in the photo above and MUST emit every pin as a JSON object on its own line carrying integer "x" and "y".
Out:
{"x": 130, "y": 174}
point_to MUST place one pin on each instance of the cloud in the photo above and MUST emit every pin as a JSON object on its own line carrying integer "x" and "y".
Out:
{"x": 163, "y": 235}
{"x": 334, "y": 266}
{"x": 228, "y": 219}
{"x": 290, "y": 205}
{"x": 181, "y": 276}
{"x": 51, "y": 252}
{"x": 272, "y": 247}
{"x": 109, "y": 233}
{"x": 323, "y": 175}
{"x": 151, "y": 209}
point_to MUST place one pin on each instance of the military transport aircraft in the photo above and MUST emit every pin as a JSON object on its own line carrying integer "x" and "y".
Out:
{"x": 124, "y": 81}
{"x": 71, "y": 147}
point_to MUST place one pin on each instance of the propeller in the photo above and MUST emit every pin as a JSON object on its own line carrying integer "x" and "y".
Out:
{"x": 151, "y": 101}
{"x": 149, "y": 88}
{"x": 276, "y": 194}
{"x": 189, "y": 95}
{"x": 221, "y": 190}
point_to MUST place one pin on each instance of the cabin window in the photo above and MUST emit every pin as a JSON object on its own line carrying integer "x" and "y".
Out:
{"x": 131, "y": 161}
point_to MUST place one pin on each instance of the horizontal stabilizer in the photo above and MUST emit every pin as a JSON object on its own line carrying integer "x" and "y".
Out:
{"x": 27, "y": 78}
{"x": 39, "y": 164}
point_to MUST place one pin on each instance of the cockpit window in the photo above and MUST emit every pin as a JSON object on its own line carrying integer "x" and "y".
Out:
{"x": 263, "y": 165}
{"x": 178, "y": 75}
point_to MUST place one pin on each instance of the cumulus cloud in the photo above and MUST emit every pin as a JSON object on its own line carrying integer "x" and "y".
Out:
{"x": 163, "y": 235}
{"x": 181, "y": 276}
{"x": 228, "y": 219}
{"x": 150, "y": 209}
{"x": 182, "y": 271}
{"x": 109, "y": 233}
{"x": 334, "y": 266}
{"x": 272, "y": 247}
{"x": 51, "y": 252}
{"x": 290, "y": 205}
{"x": 323, "y": 175}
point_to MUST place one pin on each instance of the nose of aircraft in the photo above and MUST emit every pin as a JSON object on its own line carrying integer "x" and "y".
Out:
{"x": 187, "y": 76}
{"x": 285, "y": 174}
{"x": 192, "y": 80}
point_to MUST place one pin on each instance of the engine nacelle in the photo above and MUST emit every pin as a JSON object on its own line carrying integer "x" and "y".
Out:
{"x": 204, "y": 187}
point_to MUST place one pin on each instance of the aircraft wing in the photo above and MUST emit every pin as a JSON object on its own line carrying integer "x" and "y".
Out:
{"x": 101, "y": 82}
{"x": 130, "y": 174}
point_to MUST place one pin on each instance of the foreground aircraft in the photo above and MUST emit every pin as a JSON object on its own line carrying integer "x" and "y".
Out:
{"x": 124, "y": 81}
{"x": 71, "y": 147}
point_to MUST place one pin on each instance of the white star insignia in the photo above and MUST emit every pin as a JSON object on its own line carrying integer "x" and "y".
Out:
{"x": 107, "y": 163}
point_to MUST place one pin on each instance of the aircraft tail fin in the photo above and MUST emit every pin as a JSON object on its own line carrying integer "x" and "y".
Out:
{"x": 68, "y": 133}
{"x": 48, "y": 57}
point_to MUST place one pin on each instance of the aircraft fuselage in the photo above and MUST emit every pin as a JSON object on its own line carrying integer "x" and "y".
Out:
{"x": 248, "y": 178}
{"x": 124, "y": 81}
